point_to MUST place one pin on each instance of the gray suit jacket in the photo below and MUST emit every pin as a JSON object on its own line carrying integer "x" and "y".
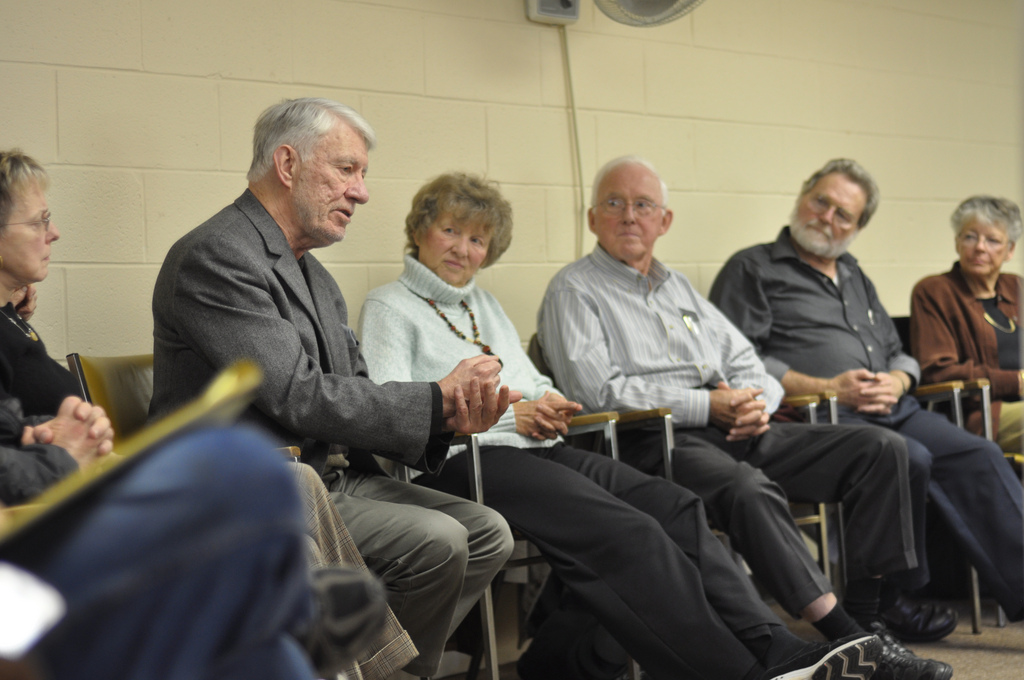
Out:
{"x": 232, "y": 288}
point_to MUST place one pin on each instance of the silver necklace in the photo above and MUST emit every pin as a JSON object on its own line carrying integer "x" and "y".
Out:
{"x": 22, "y": 325}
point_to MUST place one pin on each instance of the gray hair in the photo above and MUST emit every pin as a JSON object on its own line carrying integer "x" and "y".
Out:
{"x": 991, "y": 210}
{"x": 18, "y": 171}
{"x": 853, "y": 171}
{"x": 619, "y": 162}
{"x": 300, "y": 123}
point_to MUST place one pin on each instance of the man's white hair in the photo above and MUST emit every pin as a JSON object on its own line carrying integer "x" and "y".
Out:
{"x": 626, "y": 160}
{"x": 300, "y": 123}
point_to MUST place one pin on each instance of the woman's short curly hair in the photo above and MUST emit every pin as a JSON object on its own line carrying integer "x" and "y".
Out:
{"x": 18, "y": 172}
{"x": 464, "y": 198}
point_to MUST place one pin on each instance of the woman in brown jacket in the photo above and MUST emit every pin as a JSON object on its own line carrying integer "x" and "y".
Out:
{"x": 963, "y": 324}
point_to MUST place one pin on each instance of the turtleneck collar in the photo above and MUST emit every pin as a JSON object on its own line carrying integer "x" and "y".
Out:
{"x": 425, "y": 283}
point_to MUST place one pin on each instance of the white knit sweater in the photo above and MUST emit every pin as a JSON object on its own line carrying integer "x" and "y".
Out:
{"x": 404, "y": 339}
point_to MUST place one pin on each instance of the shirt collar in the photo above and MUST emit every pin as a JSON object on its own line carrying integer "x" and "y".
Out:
{"x": 426, "y": 284}
{"x": 626, "y": 275}
{"x": 1006, "y": 288}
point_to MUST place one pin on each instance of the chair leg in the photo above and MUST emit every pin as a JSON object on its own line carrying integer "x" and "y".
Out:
{"x": 489, "y": 642}
{"x": 975, "y": 603}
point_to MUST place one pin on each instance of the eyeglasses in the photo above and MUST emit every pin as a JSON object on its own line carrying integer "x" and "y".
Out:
{"x": 821, "y": 204}
{"x": 617, "y": 206}
{"x": 970, "y": 239}
{"x": 44, "y": 221}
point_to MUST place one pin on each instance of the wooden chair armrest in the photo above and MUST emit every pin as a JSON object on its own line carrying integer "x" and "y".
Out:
{"x": 938, "y": 389}
{"x": 293, "y": 452}
{"x": 802, "y": 400}
{"x": 648, "y": 414}
{"x": 977, "y": 384}
{"x": 593, "y": 419}
{"x": 588, "y": 420}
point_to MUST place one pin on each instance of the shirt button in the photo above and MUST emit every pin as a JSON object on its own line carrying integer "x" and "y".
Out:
{"x": 870, "y": 348}
{"x": 855, "y": 327}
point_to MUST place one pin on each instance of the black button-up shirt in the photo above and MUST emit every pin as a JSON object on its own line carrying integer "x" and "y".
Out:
{"x": 799, "y": 319}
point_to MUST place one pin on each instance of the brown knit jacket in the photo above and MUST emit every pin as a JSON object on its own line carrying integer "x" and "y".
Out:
{"x": 952, "y": 341}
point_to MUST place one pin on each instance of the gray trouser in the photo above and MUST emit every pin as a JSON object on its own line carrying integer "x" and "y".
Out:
{"x": 436, "y": 553}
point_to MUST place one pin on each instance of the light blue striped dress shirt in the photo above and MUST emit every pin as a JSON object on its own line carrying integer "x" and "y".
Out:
{"x": 619, "y": 340}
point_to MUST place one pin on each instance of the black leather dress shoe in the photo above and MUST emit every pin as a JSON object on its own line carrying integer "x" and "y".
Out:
{"x": 896, "y": 662}
{"x": 919, "y": 622}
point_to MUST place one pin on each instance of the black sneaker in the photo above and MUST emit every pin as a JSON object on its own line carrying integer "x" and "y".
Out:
{"x": 854, "y": 657}
{"x": 899, "y": 663}
{"x": 350, "y": 610}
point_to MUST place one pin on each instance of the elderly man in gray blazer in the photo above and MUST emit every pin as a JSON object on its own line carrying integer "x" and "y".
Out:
{"x": 244, "y": 284}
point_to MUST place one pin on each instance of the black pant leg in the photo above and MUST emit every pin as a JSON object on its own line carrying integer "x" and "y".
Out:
{"x": 742, "y": 502}
{"x": 647, "y": 590}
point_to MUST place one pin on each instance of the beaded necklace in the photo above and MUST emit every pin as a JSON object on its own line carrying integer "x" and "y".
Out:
{"x": 472, "y": 320}
{"x": 22, "y": 326}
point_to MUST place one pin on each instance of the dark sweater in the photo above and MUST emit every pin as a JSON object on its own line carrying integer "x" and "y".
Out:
{"x": 28, "y": 373}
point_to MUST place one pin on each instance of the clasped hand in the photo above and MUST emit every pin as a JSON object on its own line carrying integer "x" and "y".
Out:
{"x": 738, "y": 412}
{"x": 80, "y": 428}
{"x": 545, "y": 418}
{"x": 867, "y": 392}
{"x": 473, "y": 400}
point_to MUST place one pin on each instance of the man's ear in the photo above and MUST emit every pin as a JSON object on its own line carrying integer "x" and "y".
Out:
{"x": 286, "y": 162}
{"x": 591, "y": 220}
{"x": 666, "y": 222}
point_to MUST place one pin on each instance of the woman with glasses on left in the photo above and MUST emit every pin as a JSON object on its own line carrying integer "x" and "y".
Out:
{"x": 27, "y": 233}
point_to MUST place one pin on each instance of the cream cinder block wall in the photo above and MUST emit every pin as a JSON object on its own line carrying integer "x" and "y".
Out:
{"x": 143, "y": 110}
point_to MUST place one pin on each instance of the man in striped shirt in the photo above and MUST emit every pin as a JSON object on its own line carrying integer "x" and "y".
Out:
{"x": 621, "y": 331}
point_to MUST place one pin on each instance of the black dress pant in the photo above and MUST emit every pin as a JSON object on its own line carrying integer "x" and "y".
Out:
{"x": 746, "y": 487}
{"x": 637, "y": 551}
{"x": 973, "y": 488}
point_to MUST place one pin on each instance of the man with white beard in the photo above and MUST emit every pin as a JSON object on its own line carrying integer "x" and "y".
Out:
{"x": 818, "y": 325}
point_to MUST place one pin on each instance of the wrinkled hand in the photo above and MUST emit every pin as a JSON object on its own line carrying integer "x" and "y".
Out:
{"x": 545, "y": 418}
{"x": 80, "y": 428}
{"x": 738, "y": 412}
{"x": 867, "y": 392}
{"x": 483, "y": 367}
{"x": 479, "y": 408}
{"x": 25, "y": 300}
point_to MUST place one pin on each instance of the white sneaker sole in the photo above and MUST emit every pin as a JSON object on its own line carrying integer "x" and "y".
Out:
{"x": 856, "y": 660}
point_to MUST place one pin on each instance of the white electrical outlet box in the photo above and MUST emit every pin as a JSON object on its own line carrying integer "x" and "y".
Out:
{"x": 553, "y": 11}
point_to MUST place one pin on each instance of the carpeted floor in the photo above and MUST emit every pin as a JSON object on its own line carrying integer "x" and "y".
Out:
{"x": 995, "y": 654}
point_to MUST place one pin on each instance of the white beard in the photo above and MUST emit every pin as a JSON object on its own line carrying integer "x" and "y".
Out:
{"x": 818, "y": 241}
